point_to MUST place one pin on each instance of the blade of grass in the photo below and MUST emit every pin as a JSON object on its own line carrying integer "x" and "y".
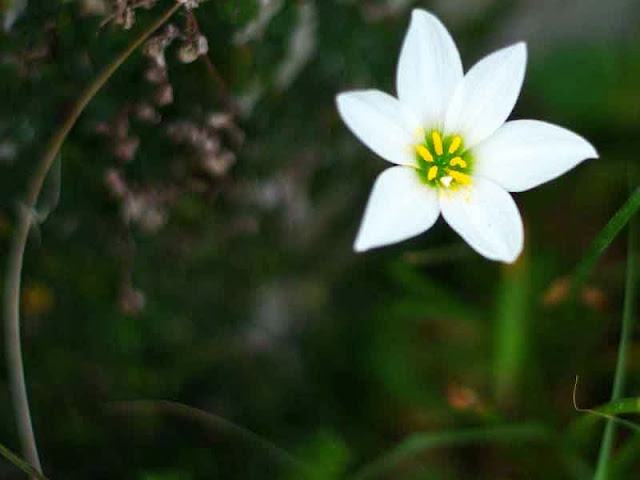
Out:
{"x": 20, "y": 463}
{"x": 628, "y": 320}
{"x": 211, "y": 421}
{"x": 19, "y": 240}
{"x": 511, "y": 328}
{"x": 604, "y": 239}
{"x": 612, "y": 409}
{"x": 625, "y": 459}
{"x": 421, "y": 442}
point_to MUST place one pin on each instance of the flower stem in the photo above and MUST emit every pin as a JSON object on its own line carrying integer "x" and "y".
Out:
{"x": 19, "y": 241}
{"x": 628, "y": 320}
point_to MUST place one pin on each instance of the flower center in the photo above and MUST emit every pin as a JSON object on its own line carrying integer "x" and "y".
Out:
{"x": 443, "y": 162}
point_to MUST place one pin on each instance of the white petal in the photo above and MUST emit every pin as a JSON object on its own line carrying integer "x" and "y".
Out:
{"x": 400, "y": 207}
{"x": 487, "y": 218}
{"x": 429, "y": 69}
{"x": 486, "y": 96}
{"x": 522, "y": 154}
{"x": 381, "y": 123}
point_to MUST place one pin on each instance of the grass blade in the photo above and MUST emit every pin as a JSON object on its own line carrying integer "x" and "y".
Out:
{"x": 421, "y": 442}
{"x": 211, "y": 421}
{"x": 612, "y": 409}
{"x": 628, "y": 320}
{"x": 510, "y": 348}
{"x": 604, "y": 239}
{"x": 20, "y": 463}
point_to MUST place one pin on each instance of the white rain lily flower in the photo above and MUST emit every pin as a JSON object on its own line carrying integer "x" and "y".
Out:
{"x": 455, "y": 154}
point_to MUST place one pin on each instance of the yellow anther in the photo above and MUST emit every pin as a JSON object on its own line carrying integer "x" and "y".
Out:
{"x": 433, "y": 171}
{"x": 458, "y": 161}
{"x": 437, "y": 142}
{"x": 455, "y": 144}
{"x": 461, "y": 178}
{"x": 424, "y": 153}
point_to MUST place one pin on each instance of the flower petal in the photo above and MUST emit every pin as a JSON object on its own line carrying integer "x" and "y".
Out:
{"x": 487, "y": 94}
{"x": 429, "y": 69}
{"x": 522, "y": 154}
{"x": 381, "y": 123}
{"x": 400, "y": 207}
{"x": 487, "y": 218}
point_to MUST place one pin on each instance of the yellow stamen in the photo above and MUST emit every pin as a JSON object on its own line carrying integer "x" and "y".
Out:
{"x": 461, "y": 178}
{"x": 437, "y": 142}
{"x": 455, "y": 144}
{"x": 457, "y": 161}
{"x": 424, "y": 153}
{"x": 433, "y": 171}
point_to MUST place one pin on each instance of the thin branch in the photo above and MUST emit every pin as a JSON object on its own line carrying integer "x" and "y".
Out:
{"x": 16, "y": 252}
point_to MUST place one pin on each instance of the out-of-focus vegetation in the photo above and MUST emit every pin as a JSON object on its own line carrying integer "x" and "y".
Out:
{"x": 198, "y": 250}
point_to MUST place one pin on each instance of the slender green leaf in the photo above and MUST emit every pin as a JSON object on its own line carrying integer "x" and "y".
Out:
{"x": 628, "y": 321}
{"x": 215, "y": 422}
{"x": 421, "y": 442}
{"x": 612, "y": 409}
{"x": 511, "y": 327}
{"x": 604, "y": 239}
{"x": 626, "y": 457}
{"x": 20, "y": 463}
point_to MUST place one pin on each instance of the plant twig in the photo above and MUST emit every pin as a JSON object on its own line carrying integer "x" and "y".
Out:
{"x": 19, "y": 241}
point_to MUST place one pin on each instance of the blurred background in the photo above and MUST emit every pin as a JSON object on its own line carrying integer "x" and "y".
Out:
{"x": 198, "y": 249}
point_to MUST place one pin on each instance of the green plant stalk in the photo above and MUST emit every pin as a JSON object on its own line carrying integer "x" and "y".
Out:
{"x": 20, "y": 463}
{"x": 510, "y": 343}
{"x": 628, "y": 320}
{"x": 19, "y": 241}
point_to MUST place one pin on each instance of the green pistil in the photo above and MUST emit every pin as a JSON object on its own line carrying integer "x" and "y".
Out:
{"x": 448, "y": 155}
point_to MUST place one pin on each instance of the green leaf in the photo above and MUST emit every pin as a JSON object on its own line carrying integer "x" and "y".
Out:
{"x": 20, "y": 463}
{"x": 421, "y": 442}
{"x": 510, "y": 341}
{"x": 604, "y": 239}
{"x": 612, "y": 409}
{"x": 628, "y": 321}
{"x": 211, "y": 421}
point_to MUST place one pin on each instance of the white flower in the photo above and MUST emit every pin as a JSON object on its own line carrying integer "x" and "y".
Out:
{"x": 454, "y": 152}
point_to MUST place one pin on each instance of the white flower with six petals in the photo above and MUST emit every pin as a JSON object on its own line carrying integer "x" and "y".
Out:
{"x": 455, "y": 154}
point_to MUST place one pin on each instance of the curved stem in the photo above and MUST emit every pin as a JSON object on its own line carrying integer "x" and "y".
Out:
{"x": 216, "y": 423}
{"x": 19, "y": 241}
{"x": 628, "y": 320}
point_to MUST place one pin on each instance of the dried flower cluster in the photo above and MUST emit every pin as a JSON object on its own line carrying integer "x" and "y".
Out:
{"x": 143, "y": 206}
{"x": 205, "y": 141}
{"x": 124, "y": 11}
{"x": 123, "y": 145}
